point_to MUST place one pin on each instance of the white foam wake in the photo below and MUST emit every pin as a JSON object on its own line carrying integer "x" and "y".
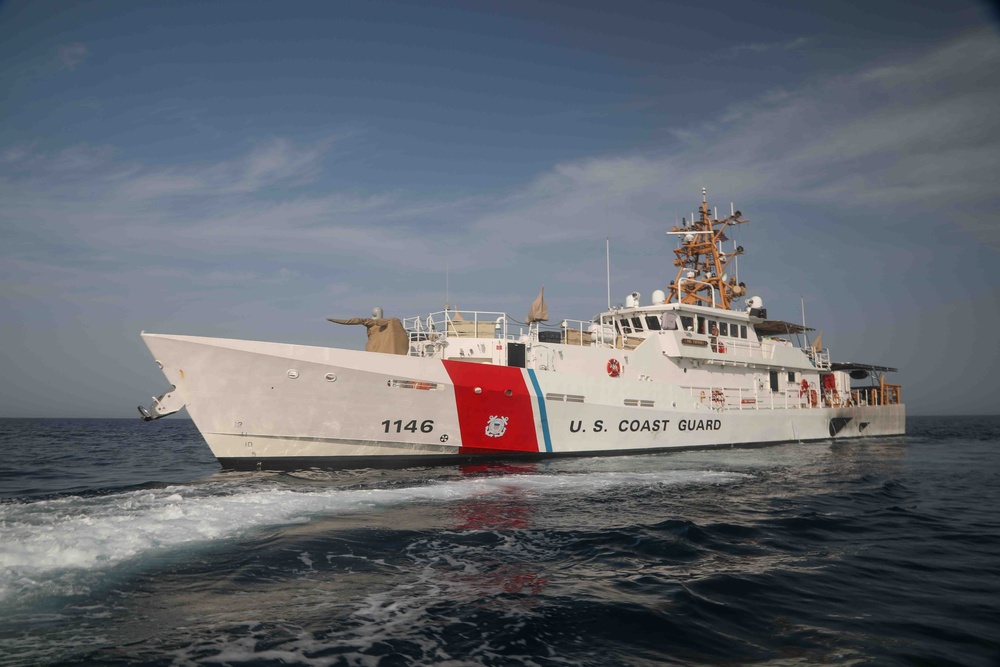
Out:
{"x": 44, "y": 541}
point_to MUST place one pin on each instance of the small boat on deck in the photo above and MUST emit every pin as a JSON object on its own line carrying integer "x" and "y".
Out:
{"x": 699, "y": 366}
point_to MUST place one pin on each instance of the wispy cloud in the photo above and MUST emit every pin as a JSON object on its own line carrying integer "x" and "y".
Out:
{"x": 881, "y": 138}
{"x": 71, "y": 55}
{"x": 871, "y": 140}
{"x": 763, "y": 47}
{"x": 917, "y": 133}
{"x": 743, "y": 48}
{"x": 275, "y": 162}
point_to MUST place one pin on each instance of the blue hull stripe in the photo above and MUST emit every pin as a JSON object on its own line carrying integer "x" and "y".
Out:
{"x": 541, "y": 410}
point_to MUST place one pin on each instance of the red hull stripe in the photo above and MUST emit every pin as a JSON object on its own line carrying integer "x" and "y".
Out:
{"x": 499, "y": 417}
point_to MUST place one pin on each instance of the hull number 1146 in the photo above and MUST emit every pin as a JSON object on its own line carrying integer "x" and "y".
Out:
{"x": 398, "y": 426}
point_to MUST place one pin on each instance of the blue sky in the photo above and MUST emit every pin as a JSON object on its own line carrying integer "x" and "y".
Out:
{"x": 247, "y": 169}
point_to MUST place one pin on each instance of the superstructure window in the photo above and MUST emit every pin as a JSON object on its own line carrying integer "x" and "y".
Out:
{"x": 625, "y": 326}
{"x": 687, "y": 323}
{"x": 791, "y": 377}
{"x": 652, "y": 322}
{"x": 743, "y": 331}
{"x": 636, "y": 324}
{"x": 723, "y": 328}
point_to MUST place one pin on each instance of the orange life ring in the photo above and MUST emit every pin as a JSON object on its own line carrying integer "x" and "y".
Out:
{"x": 614, "y": 368}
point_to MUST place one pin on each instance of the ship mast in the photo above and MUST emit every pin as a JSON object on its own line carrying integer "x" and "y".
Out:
{"x": 702, "y": 277}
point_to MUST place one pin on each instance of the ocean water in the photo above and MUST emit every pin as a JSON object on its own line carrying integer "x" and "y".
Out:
{"x": 122, "y": 543}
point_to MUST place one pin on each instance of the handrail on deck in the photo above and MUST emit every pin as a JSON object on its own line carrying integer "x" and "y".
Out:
{"x": 882, "y": 394}
{"x": 739, "y": 398}
{"x": 578, "y": 332}
{"x": 462, "y": 324}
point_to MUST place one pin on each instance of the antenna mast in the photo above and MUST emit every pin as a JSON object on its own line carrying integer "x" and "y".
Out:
{"x": 802, "y": 305}
{"x": 701, "y": 262}
{"x": 607, "y": 253}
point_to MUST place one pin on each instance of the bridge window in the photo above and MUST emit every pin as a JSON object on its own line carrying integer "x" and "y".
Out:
{"x": 687, "y": 323}
{"x": 652, "y": 322}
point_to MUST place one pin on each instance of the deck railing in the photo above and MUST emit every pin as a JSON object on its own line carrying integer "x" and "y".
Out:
{"x": 739, "y": 398}
{"x": 575, "y": 332}
{"x": 463, "y": 324}
{"x": 881, "y": 394}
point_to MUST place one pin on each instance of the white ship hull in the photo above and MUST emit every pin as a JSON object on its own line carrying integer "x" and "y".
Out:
{"x": 687, "y": 370}
{"x": 263, "y": 405}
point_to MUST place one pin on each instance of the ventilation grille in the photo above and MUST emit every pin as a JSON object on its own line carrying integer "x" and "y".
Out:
{"x": 568, "y": 398}
{"x": 638, "y": 403}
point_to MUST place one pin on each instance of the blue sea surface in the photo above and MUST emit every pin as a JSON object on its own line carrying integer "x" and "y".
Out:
{"x": 123, "y": 543}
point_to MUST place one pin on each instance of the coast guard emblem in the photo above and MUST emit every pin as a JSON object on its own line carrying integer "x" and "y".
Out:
{"x": 496, "y": 426}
